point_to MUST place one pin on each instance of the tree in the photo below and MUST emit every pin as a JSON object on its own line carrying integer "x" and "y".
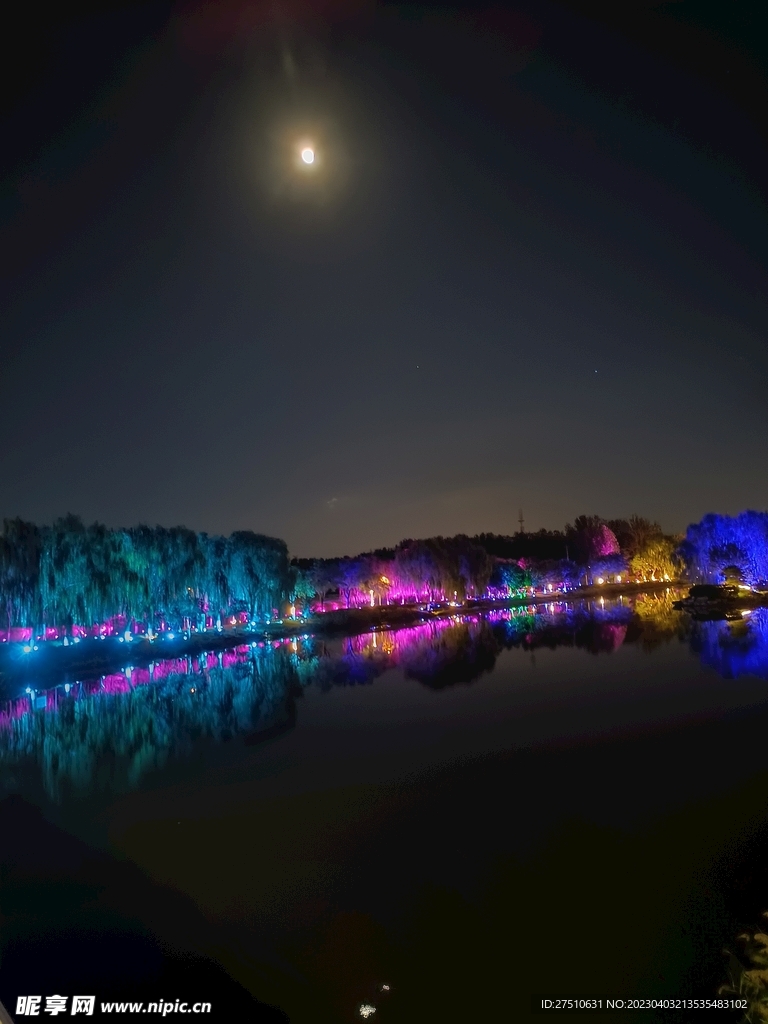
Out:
{"x": 324, "y": 577}
{"x": 416, "y": 568}
{"x": 475, "y": 567}
{"x": 511, "y": 577}
{"x": 608, "y": 567}
{"x": 257, "y": 571}
{"x": 560, "y": 574}
{"x": 657, "y": 560}
{"x": 351, "y": 574}
{"x": 634, "y": 533}
{"x": 303, "y": 589}
{"x": 20, "y": 549}
{"x": 719, "y": 542}
{"x": 590, "y": 537}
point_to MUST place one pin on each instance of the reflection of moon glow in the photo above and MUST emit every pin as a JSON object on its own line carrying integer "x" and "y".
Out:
{"x": 308, "y": 155}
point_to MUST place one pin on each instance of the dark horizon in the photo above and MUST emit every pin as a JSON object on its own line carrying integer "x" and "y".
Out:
{"x": 530, "y": 270}
{"x": 528, "y": 537}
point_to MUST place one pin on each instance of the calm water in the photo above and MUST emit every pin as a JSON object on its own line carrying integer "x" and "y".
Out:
{"x": 559, "y": 800}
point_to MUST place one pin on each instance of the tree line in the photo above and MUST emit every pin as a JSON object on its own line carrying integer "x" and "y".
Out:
{"x": 591, "y": 549}
{"x": 71, "y": 574}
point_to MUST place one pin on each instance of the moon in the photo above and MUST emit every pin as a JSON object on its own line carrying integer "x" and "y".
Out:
{"x": 308, "y": 155}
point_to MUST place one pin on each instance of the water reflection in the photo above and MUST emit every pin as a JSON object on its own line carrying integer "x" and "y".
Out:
{"x": 107, "y": 733}
{"x": 734, "y": 648}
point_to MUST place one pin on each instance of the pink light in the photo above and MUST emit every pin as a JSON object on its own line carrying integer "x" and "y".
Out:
{"x": 116, "y": 683}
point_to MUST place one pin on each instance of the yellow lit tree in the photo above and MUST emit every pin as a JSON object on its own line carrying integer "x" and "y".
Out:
{"x": 657, "y": 560}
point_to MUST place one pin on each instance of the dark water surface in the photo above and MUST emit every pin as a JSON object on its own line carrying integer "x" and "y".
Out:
{"x": 559, "y": 800}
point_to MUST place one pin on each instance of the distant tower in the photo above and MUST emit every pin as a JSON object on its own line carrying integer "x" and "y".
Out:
{"x": 522, "y": 522}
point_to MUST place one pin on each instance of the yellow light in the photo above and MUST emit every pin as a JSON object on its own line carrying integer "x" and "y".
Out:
{"x": 600, "y": 579}
{"x": 308, "y": 155}
{"x": 618, "y": 579}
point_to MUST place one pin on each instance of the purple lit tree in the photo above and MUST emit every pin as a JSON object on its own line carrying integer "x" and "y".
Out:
{"x": 589, "y": 538}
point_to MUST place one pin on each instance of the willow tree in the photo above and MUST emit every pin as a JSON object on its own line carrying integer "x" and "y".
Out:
{"x": 20, "y": 547}
{"x": 259, "y": 575}
{"x": 657, "y": 560}
{"x": 68, "y": 591}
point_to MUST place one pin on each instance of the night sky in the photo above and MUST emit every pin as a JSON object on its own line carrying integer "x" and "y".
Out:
{"x": 528, "y": 268}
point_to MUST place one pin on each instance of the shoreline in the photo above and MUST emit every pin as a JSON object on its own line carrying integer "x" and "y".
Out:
{"x": 395, "y": 614}
{"x": 94, "y": 657}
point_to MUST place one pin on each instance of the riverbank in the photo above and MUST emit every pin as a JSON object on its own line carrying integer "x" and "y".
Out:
{"x": 20, "y": 668}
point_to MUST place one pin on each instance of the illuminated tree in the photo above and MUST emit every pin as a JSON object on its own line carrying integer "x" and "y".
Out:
{"x": 324, "y": 577}
{"x": 720, "y": 542}
{"x": 20, "y": 548}
{"x": 351, "y": 574}
{"x": 608, "y": 567}
{"x": 416, "y": 568}
{"x": 589, "y": 538}
{"x": 475, "y": 567}
{"x": 303, "y": 589}
{"x": 258, "y": 573}
{"x": 511, "y": 577}
{"x": 657, "y": 560}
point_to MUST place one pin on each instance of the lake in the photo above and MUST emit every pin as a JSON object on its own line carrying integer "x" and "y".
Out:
{"x": 559, "y": 800}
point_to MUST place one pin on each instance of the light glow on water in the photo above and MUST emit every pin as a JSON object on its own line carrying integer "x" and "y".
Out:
{"x": 460, "y": 712}
{"x": 254, "y": 678}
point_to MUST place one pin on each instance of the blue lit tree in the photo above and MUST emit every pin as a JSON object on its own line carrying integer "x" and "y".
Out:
{"x": 608, "y": 567}
{"x": 720, "y": 542}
